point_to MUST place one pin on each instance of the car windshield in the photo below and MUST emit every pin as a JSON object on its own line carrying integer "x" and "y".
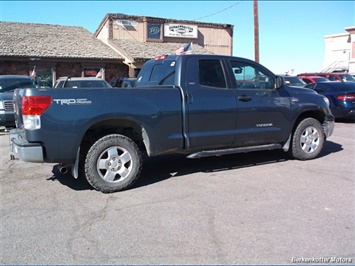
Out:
{"x": 294, "y": 81}
{"x": 347, "y": 77}
{"x": 10, "y": 84}
{"x": 83, "y": 84}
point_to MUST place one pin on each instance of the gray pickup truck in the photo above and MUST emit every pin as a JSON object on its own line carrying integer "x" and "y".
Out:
{"x": 8, "y": 84}
{"x": 198, "y": 105}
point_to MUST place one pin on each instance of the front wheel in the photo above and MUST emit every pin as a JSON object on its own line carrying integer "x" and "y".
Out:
{"x": 113, "y": 163}
{"x": 307, "y": 140}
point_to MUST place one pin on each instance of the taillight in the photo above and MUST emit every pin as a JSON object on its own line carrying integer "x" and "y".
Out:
{"x": 35, "y": 105}
{"x": 32, "y": 108}
{"x": 346, "y": 97}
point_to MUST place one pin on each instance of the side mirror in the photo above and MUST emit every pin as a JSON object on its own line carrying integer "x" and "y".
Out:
{"x": 238, "y": 71}
{"x": 279, "y": 82}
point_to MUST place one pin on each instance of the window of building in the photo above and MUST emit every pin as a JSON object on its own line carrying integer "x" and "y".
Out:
{"x": 154, "y": 32}
{"x": 43, "y": 76}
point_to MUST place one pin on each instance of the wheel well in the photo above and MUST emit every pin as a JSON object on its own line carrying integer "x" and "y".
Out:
{"x": 309, "y": 114}
{"x": 123, "y": 127}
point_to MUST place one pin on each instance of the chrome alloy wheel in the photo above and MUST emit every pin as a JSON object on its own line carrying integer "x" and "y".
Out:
{"x": 310, "y": 139}
{"x": 114, "y": 164}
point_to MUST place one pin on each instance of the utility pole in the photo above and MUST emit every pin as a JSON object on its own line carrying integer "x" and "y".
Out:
{"x": 256, "y": 31}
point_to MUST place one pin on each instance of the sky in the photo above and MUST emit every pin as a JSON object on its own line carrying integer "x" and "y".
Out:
{"x": 291, "y": 33}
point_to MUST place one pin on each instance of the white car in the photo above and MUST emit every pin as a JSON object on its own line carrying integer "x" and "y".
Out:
{"x": 76, "y": 82}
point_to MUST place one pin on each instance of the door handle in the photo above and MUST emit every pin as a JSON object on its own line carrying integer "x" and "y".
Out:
{"x": 244, "y": 98}
{"x": 189, "y": 98}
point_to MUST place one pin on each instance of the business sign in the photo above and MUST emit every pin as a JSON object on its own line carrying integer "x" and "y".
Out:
{"x": 180, "y": 31}
{"x": 154, "y": 31}
{"x": 91, "y": 72}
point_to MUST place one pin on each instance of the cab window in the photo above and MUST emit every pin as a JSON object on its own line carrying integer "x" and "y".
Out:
{"x": 250, "y": 77}
{"x": 157, "y": 74}
{"x": 211, "y": 73}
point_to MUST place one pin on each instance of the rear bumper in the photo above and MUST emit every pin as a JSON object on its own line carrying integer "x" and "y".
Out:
{"x": 23, "y": 150}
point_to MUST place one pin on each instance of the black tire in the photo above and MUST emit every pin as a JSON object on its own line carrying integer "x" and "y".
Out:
{"x": 307, "y": 140}
{"x": 113, "y": 163}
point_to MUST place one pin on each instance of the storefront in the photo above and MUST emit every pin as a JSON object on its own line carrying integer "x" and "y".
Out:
{"x": 139, "y": 38}
{"x": 52, "y": 51}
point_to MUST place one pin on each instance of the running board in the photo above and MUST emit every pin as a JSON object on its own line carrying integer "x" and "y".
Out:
{"x": 234, "y": 150}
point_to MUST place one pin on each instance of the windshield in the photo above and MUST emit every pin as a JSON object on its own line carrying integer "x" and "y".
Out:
{"x": 82, "y": 84}
{"x": 10, "y": 84}
{"x": 294, "y": 81}
{"x": 347, "y": 77}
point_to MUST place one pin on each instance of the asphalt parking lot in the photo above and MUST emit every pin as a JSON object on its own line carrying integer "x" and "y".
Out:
{"x": 255, "y": 208}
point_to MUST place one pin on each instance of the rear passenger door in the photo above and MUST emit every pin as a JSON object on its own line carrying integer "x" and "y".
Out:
{"x": 211, "y": 106}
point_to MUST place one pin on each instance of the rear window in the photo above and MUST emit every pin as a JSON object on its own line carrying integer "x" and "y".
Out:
{"x": 160, "y": 73}
{"x": 211, "y": 73}
{"x": 11, "y": 84}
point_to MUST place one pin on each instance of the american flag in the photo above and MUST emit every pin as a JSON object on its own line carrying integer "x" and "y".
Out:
{"x": 100, "y": 74}
{"x": 33, "y": 73}
{"x": 185, "y": 49}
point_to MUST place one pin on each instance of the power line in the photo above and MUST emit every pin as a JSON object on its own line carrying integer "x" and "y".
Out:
{"x": 210, "y": 15}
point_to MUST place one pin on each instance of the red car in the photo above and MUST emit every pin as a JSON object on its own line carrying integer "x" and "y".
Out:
{"x": 332, "y": 76}
{"x": 312, "y": 79}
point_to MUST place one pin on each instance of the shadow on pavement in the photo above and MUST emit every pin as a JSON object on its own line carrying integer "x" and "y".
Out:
{"x": 68, "y": 180}
{"x": 160, "y": 168}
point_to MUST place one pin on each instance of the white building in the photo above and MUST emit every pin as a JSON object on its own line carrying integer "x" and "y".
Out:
{"x": 340, "y": 52}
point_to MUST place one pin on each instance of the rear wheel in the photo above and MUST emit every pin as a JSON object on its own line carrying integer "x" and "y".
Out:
{"x": 113, "y": 163}
{"x": 307, "y": 140}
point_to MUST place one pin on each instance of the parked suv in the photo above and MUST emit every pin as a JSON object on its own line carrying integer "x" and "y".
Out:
{"x": 8, "y": 83}
{"x": 77, "y": 82}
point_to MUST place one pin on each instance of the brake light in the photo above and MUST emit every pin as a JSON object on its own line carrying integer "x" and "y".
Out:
{"x": 346, "y": 97}
{"x": 162, "y": 57}
{"x": 35, "y": 105}
{"x": 32, "y": 108}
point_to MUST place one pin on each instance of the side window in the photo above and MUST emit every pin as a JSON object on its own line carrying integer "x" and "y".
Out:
{"x": 211, "y": 73}
{"x": 307, "y": 80}
{"x": 320, "y": 87}
{"x": 250, "y": 77}
{"x": 332, "y": 78}
{"x": 311, "y": 86}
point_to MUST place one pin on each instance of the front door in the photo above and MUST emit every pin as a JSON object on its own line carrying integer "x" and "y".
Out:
{"x": 263, "y": 112}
